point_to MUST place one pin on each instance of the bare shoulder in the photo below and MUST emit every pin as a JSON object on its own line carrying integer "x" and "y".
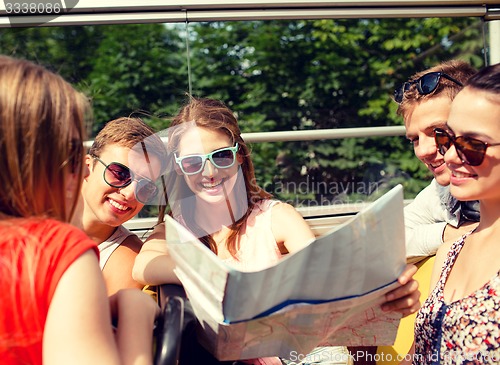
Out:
{"x": 284, "y": 214}
{"x": 132, "y": 243}
{"x": 443, "y": 250}
{"x": 282, "y": 210}
{"x": 118, "y": 269}
{"x": 123, "y": 257}
{"x": 289, "y": 227}
{"x": 156, "y": 241}
{"x": 441, "y": 255}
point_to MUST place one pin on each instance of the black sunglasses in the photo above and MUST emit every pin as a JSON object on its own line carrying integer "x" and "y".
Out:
{"x": 117, "y": 175}
{"x": 425, "y": 84}
{"x": 470, "y": 150}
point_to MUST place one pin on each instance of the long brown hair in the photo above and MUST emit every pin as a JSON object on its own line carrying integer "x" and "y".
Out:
{"x": 214, "y": 115}
{"x": 41, "y": 132}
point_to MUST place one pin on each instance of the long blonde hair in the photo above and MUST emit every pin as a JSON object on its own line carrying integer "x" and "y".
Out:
{"x": 42, "y": 121}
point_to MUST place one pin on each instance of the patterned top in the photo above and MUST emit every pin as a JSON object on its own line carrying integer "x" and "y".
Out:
{"x": 466, "y": 331}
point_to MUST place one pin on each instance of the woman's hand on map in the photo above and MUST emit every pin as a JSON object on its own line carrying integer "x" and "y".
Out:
{"x": 405, "y": 298}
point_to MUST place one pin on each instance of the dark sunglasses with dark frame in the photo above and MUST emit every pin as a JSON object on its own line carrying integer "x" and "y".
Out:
{"x": 470, "y": 150}
{"x": 425, "y": 84}
{"x": 118, "y": 175}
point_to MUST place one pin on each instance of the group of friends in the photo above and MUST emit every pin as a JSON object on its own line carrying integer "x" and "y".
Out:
{"x": 71, "y": 274}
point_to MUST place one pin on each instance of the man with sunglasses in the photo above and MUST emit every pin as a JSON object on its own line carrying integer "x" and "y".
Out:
{"x": 424, "y": 103}
{"x": 125, "y": 162}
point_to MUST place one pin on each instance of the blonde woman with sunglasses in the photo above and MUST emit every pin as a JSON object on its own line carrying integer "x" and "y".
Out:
{"x": 53, "y": 303}
{"x": 460, "y": 321}
{"x": 212, "y": 190}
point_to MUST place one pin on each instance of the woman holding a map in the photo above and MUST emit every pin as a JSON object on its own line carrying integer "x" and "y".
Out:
{"x": 212, "y": 191}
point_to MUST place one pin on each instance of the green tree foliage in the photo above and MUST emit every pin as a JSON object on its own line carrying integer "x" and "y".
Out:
{"x": 68, "y": 50}
{"x": 276, "y": 76}
{"x": 125, "y": 69}
{"x": 300, "y": 75}
{"x": 138, "y": 68}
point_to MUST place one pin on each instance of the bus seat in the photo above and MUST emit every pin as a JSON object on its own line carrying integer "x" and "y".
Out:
{"x": 392, "y": 355}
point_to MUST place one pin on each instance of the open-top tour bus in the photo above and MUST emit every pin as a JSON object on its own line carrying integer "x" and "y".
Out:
{"x": 318, "y": 126}
{"x": 320, "y": 195}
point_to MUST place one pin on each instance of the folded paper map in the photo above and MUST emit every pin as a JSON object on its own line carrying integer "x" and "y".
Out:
{"x": 328, "y": 293}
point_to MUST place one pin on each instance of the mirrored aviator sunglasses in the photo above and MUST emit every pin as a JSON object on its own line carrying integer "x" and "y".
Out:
{"x": 222, "y": 158}
{"x": 470, "y": 150}
{"x": 118, "y": 175}
{"x": 425, "y": 84}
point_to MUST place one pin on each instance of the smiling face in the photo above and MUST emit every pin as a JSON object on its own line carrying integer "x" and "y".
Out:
{"x": 109, "y": 206}
{"x": 475, "y": 114}
{"x": 209, "y": 184}
{"x": 420, "y": 123}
